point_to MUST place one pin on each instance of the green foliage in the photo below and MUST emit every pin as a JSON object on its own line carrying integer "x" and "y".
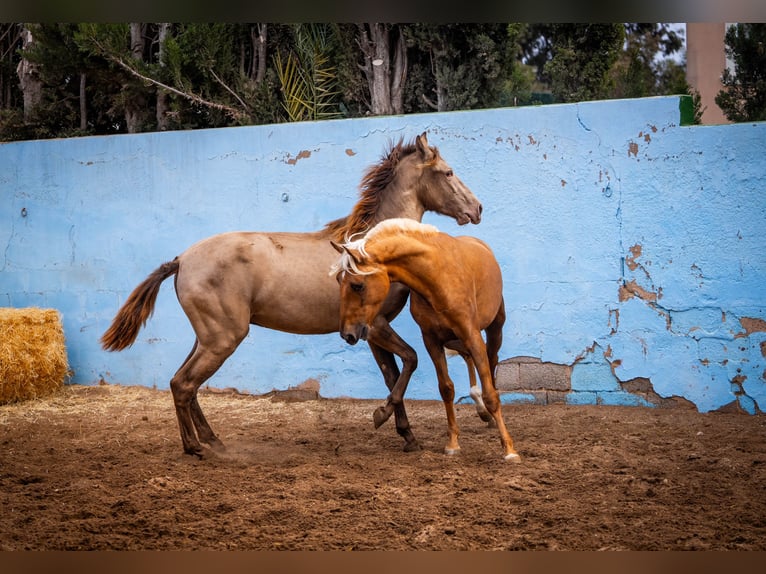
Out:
{"x": 61, "y": 62}
{"x": 224, "y": 74}
{"x": 743, "y": 98}
{"x": 582, "y": 56}
{"x": 643, "y": 68}
{"x": 307, "y": 77}
{"x": 458, "y": 66}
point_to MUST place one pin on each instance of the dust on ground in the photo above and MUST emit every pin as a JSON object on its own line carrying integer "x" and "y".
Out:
{"x": 102, "y": 467}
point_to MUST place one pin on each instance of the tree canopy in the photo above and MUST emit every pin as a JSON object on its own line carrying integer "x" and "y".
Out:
{"x": 60, "y": 80}
{"x": 743, "y": 98}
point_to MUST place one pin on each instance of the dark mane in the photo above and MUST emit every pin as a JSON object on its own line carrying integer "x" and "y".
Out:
{"x": 377, "y": 178}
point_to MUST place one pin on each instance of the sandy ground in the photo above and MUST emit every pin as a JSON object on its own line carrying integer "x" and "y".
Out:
{"x": 102, "y": 468}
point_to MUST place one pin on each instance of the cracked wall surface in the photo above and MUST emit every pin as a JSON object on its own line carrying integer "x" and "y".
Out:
{"x": 632, "y": 247}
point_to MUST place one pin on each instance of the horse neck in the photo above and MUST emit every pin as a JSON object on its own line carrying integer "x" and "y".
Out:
{"x": 405, "y": 261}
{"x": 400, "y": 198}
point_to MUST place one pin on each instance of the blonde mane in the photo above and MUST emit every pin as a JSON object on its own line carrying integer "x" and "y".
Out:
{"x": 401, "y": 225}
{"x": 394, "y": 226}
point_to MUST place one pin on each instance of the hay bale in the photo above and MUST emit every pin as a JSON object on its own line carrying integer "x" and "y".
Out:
{"x": 33, "y": 361}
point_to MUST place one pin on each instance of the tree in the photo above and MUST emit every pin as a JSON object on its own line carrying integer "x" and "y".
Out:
{"x": 582, "y": 55}
{"x": 64, "y": 107}
{"x": 517, "y": 87}
{"x": 209, "y": 72}
{"x": 645, "y": 67}
{"x": 459, "y": 66}
{"x": 743, "y": 98}
{"x": 132, "y": 77}
{"x": 29, "y": 76}
{"x": 384, "y": 65}
{"x": 10, "y": 43}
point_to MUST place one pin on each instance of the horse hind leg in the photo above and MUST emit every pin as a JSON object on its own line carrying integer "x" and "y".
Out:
{"x": 199, "y": 366}
{"x": 204, "y": 432}
{"x": 474, "y": 391}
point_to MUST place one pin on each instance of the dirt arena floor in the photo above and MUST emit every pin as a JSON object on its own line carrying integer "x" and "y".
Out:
{"x": 101, "y": 468}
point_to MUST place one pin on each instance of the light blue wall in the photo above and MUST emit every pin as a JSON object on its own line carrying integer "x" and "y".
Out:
{"x": 579, "y": 200}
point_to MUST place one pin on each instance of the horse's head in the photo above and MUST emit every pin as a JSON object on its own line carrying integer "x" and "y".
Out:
{"x": 439, "y": 189}
{"x": 363, "y": 288}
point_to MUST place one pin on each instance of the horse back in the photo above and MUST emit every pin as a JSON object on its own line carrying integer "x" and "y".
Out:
{"x": 469, "y": 284}
{"x": 278, "y": 280}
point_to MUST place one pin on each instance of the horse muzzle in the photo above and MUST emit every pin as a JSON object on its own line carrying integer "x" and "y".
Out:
{"x": 354, "y": 335}
{"x": 472, "y": 216}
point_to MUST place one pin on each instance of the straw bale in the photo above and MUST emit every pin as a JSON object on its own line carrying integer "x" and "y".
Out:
{"x": 33, "y": 360}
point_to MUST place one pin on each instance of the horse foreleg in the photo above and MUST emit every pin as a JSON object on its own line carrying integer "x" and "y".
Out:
{"x": 384, "y": 343}
{"x": 446, "y": 390}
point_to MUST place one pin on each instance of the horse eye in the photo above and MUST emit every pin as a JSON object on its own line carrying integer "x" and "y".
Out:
{"x": 357, "y": 287}
{"x": 449, "y": 173}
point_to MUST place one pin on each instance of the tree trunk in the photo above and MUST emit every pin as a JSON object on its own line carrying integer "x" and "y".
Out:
{"x": 399, "y": 75}
{"x": 135, "y": 111}
{"x": 386, "y": 88}
{"x": 29, "y": 78}
{"x": 137, "y": 40}
{"x": 83, "y": 104}
{"x": 258, "y": 39}
{"x": 10, "y": 41}
{"x": 162, "y": 95}
{"x": 438, "y": 55}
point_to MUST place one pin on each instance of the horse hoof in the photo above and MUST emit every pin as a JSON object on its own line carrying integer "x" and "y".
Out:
{"x": 380, "y": 416}
{"x": 198, "y": 452}
{"x": 451, "y": 451}
{"x": 486, "y": 417}
{"x": 217, "y": 445}
{"x": 512, "y": 457}
{"x": 413, "y": 446}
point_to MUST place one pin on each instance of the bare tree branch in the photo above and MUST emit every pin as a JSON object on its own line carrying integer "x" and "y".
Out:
{"x": 189, "y": 96}
{"x": 429, "y": 102}
{"x": 235, "y": 113}
{"x": 227, "y": 88}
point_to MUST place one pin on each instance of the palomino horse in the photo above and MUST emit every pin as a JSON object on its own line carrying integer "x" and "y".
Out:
{"x": 279, "y": 281}
{"x": 456, "y": 291}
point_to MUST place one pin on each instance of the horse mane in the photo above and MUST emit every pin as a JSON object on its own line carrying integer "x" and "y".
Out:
{"x": 392, "y": 226}
{"x": 375, "y": 180}
{"x": 400, "y": 225}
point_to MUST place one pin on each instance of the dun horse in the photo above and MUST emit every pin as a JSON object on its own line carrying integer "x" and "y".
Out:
{"x": 279, "y": 281}
{"x": 456, "y": 291}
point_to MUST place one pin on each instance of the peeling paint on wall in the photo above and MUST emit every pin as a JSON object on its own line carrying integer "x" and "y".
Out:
{"x": 303, "y": 154}
{"x": 751, "y": 325}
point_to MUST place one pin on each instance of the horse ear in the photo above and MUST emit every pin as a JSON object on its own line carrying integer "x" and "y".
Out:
{"x": 343, "y": 249}
{"x": 421, "y": 143}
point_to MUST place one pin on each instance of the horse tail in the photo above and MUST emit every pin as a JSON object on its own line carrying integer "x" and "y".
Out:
{"x": 137, "y": 309}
